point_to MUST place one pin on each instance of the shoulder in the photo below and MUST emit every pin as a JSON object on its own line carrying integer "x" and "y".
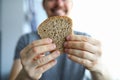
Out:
{"x": 29, "y": 37}
{"x": 31, "y": 34}
{"x": 81, "y": 33}
{"x": 25, "y": 39}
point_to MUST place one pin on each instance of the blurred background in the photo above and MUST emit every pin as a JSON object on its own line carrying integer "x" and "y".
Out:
{"x": 99, "y": 18}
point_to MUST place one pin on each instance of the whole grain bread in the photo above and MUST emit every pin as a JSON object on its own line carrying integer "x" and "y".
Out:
{"x": 56, "y": 28}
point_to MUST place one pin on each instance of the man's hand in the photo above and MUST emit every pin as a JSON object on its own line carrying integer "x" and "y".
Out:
{"x": 84, "y": 50}
{"x": 33, "y": 58}
{"x": 87, "y": 51}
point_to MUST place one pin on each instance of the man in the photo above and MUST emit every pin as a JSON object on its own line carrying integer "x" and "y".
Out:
{"x": 82, "y": 52}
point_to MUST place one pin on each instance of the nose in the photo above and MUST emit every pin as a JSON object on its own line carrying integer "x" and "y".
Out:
{"x": 60, "y": 2}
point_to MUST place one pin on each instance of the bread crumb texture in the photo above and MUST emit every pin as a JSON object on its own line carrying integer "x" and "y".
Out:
{"x": 56, "y": 28}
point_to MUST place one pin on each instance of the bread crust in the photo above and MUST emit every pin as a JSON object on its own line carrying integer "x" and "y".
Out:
{"x": 57, "y": 28}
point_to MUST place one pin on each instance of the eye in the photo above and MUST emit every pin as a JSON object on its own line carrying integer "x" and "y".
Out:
{"x": 66, "y": 0}
{"x": 50, "y": 0}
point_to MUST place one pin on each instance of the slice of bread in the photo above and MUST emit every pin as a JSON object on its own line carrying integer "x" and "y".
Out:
{"x": 56, "y": 28}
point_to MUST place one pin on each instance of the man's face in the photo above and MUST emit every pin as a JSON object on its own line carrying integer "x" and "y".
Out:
{"x": 57, "y": 7}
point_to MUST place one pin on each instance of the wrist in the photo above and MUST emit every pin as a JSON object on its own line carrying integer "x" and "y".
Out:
{"x": 100, "y": 72}
{"x": 23, "y": 75}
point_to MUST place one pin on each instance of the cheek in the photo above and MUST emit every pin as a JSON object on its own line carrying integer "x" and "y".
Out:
{"x": 68, "y": 7}
{"x": 49, "y": 6}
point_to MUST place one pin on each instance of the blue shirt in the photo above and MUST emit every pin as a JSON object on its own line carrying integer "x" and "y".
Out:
{"x": 65, "y": 69}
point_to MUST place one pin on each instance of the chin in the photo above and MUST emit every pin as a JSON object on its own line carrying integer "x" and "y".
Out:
{"x": 58, "y": 15}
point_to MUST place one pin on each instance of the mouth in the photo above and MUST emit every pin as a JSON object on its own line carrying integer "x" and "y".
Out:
{"x": 58, "y": 12}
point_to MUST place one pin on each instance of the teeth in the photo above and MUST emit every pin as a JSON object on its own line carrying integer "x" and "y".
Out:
{"x": 60, "y": 12}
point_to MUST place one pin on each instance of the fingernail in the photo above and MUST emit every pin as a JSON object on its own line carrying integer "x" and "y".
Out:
{"x": 57, "y": 52}
{"x": 53, "y": 46}
{"x": 49, "y": 40}
{"x": 65, "y": 44}
{"x": 68, "y": 37}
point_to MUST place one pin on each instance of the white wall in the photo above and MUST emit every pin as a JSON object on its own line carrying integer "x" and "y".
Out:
{"x": 12, "y": 23}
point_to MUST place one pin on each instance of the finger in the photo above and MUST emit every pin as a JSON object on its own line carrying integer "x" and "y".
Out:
{"x": 45, "y": 59}
{"x": 88, "y": 64}
{"x": 36, "y": 43}
{"x": 37, "y": 73}
{"x": 82, "y": 46}
{"x": 84, "y": 39}
{"x": 45, "y": 67}
{"x": 81, "y": 54}
{"x": 41, "y": 49}
{"x": 38, "y": 56}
